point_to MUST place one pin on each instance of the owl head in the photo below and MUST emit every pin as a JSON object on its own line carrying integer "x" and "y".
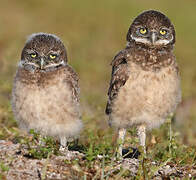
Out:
{"x": 43, "y": 52}
{"x": 153, "y": 29}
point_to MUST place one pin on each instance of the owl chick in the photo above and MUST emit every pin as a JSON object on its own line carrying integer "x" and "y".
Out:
{"x": 45, "y": 95}
{"x": 145, "y": 83}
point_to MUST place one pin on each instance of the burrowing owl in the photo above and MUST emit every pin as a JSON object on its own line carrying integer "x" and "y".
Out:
{"x": 45, "y": 94}
{"x": 145, "y": 84}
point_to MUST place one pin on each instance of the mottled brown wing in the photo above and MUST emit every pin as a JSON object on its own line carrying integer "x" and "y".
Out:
{"x": 72, "y": 80}
{"x": 119, "y": 77}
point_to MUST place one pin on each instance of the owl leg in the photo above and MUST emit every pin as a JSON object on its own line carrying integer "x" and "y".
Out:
{"x": 121, "y": 137}
{"x": 142, "y": 136}
{"x": 63, "y": 142}
{"x": 41, "y": 140}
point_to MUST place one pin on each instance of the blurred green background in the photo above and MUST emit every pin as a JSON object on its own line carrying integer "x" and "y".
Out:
{"x": 93, "y": 32}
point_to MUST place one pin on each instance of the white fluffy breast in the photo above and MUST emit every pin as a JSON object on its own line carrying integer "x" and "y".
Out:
{"x": 146, "y": 98}
{"x": 50, "y": 109}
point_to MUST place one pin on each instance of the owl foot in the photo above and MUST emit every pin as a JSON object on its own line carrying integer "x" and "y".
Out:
{"x": 121, "y": 137}
{"x": 142, "y": 137}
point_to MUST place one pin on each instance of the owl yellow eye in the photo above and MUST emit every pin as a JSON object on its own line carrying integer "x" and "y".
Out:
{"x": 53, "y": 56}
{"x": 143, "y": 30}
{"x": 33, "y": 55}
{"x": 163, "y": 32}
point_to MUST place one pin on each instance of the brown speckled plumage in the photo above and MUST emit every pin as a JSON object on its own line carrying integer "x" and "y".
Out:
{"x": 145, "y": 83}
{"x": 46, "y": 99}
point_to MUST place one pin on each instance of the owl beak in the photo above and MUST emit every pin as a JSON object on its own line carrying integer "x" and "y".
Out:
{"x": 42, "y": 63}
{"x": 153, "y": 37}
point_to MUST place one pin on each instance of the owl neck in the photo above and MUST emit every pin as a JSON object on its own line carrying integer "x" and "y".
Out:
{"x": 40, "y": 78}
{"x": 151, "y": 58}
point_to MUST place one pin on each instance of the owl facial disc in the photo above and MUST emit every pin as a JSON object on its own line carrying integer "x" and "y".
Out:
{"x": 44, "y": 52}
{"x": 153, "y": 29}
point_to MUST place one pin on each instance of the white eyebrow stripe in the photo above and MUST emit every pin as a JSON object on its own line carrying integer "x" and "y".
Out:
{"x": 29, "y": 51}
{"x": 54, "y": 52}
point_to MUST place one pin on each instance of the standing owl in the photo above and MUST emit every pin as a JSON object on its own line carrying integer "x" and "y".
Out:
{"x": 145, "y": 83}
{"x": 45, "y": 95}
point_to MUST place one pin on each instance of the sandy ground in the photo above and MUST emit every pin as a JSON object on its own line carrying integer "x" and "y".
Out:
{"x": 56, "y": 167}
